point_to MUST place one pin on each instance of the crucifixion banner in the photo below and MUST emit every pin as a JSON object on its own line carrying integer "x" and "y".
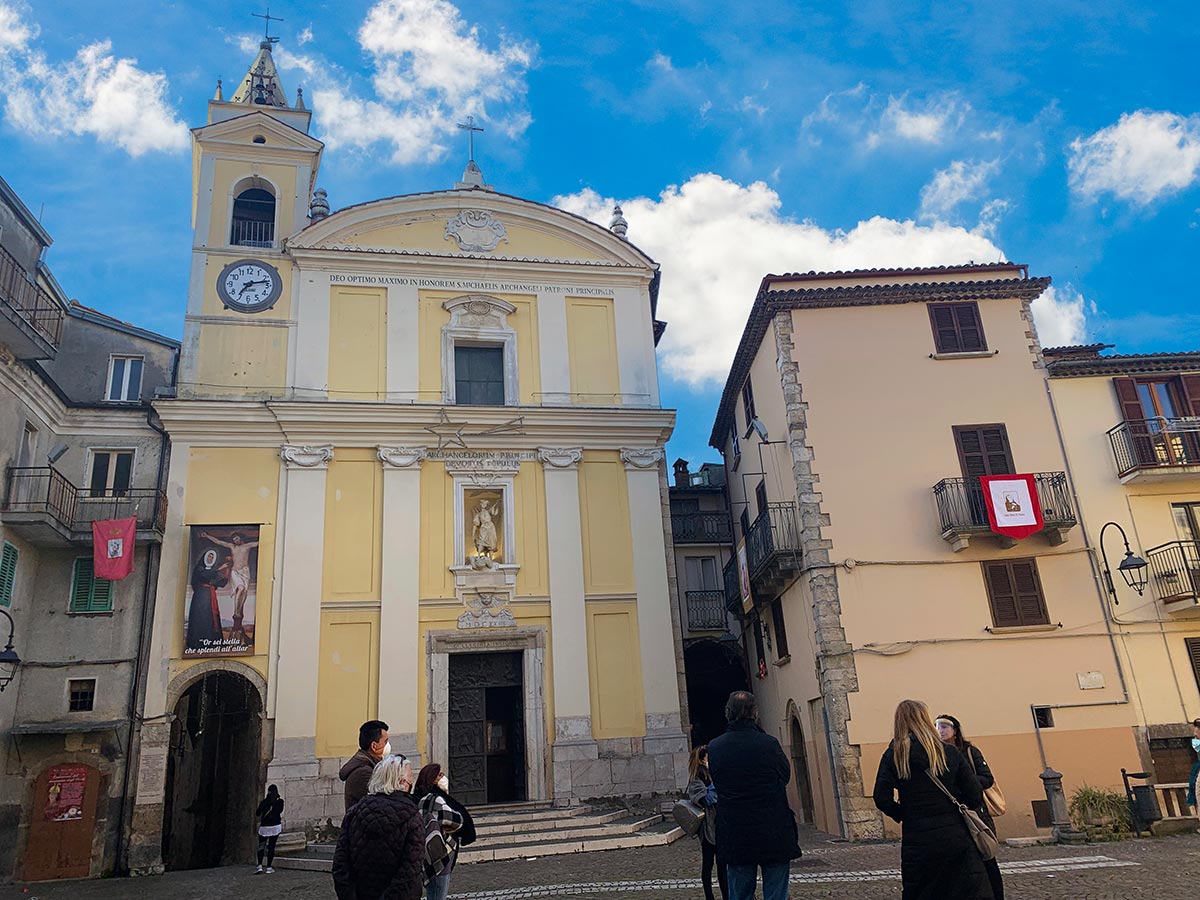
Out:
{"x": 222, "y": 591}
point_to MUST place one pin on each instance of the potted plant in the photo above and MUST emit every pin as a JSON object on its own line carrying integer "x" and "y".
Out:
{"x": 1099, "y": 809}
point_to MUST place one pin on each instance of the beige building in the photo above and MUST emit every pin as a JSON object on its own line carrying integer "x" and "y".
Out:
{"x": 1131, "y": 424}
{"x": 860, "y": 409}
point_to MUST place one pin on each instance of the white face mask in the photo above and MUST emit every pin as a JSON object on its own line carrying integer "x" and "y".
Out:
{"x": 387, "y": 749}
{"x": 444, "y": 783}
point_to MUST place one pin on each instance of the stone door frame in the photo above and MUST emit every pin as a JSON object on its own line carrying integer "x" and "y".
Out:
{"x": 530, "y": 642}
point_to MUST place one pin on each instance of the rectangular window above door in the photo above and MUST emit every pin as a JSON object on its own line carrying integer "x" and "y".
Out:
{"x": 957, "y": 328}
{"x": 478, "y": 376}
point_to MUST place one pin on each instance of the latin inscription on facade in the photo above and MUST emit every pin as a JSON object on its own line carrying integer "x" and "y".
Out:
{"x": 457, "y": 285}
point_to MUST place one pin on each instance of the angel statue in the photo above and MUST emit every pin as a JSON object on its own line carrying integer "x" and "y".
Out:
{"x": 483, "y": 532}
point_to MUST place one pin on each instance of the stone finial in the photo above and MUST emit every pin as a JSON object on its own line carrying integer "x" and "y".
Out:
{"x": 618, "y": 225}
{"x": 300, "y": 98}
{"x": 319, "y": 207}
{"x": 219, "y": 95}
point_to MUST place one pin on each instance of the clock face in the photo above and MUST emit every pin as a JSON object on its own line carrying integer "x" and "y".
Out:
{"x": 249, "y": 285}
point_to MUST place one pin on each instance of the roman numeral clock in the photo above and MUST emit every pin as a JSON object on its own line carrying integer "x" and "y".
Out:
{"x": 249, "y": 285}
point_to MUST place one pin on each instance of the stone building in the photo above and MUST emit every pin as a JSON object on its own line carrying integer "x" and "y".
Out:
{"x": 78, "y": 443}
{"x": 417, "y": 474}
{"x": 868, "y": 404}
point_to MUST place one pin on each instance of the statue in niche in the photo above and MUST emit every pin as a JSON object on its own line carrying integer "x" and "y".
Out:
{"x": 483, "y": 532}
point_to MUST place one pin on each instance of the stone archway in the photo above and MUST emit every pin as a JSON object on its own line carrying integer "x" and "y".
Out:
{"x": 799, "y": 758}
{"x": 715, "y": 669}
{"x": 215, "y": 767}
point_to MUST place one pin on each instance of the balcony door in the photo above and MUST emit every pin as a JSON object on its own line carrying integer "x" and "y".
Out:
{"x": 1187, "y": 526}
{"x": 1156, "y": 413}
{"x": 982, "y": 450}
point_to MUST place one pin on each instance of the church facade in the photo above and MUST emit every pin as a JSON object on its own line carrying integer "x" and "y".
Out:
{"x": 416, "y": 474}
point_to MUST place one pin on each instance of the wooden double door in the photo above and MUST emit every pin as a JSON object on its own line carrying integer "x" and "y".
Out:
{"x": 62, "y": 823}
{"x": 487, "y": 728}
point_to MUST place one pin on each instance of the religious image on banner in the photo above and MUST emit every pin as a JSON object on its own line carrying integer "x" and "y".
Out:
{"x": 112, "y": 547}
{"x": 1012, "y": 505}
{"x": 65, "y": 790}
{"x": 222, "y": 590}
{"x": 743, "y": 567}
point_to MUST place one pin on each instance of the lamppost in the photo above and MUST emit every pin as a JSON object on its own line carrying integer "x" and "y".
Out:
{"x": 1132, "y": 568}
{"x": 8, "y": 656}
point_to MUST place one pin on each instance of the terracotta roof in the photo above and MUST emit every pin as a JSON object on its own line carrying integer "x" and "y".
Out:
{"x": 1124, "y": 364}
{"x": 1089, "y": 350}
{"x": 879, "y": 273}
{"x": 768, "y": 302}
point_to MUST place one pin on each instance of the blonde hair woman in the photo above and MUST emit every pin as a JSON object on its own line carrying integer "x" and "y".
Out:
{"x": 938, "y": 858}
{"x": 381, "y": 850}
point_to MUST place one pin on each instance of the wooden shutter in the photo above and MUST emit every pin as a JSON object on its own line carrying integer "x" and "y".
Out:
{"x": 1015, "y": 593}
{"x": 88, "y": 593}
{"x": 8, "y": 573}
{"x": 1190, "y": 394}
{"x": 1127, "y": 396}
{"x": 983, "y": 450}
{"x": 1193, "y": 652}
{"x": 781, "y": 644}
{"x": 957, "y": 327}
{"x": 945, "y": 334}
{"x": 1141, "y": 445}
{"x": 970, "y": 328}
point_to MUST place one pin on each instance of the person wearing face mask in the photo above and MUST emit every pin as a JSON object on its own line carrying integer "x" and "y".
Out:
{"x": 372, "y": 747}
{"x": 432, "y": 794}
{"x": 1191, "y": 794}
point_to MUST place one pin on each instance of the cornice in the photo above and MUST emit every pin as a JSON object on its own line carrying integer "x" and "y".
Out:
{"x": 35, "y": 394}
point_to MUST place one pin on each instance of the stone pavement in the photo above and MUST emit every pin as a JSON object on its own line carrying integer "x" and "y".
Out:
{"x": 1163, "y": 869}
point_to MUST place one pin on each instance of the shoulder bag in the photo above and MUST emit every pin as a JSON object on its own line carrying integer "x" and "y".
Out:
{"x": 688, "y": 816}
{"x": 984, "y": 838}
{"x": 993, "y": 797}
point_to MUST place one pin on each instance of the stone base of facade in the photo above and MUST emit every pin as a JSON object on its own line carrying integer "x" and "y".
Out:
{"x": 586, "y": 769}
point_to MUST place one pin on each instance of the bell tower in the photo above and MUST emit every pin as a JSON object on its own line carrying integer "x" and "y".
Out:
{"x": 254, "y": 168}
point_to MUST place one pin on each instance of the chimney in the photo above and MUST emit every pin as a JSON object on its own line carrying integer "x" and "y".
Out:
{"x": 683, "y": 478}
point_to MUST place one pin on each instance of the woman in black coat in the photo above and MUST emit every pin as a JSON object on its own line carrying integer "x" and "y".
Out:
{"x": 270, "y": 825}
{"x": 938, "y": 858}
{"x": 950, "y": 731}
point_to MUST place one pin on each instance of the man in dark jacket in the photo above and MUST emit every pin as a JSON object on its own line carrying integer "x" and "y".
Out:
{"x": 372, "y": 747}
{"x": 755, "y": 825}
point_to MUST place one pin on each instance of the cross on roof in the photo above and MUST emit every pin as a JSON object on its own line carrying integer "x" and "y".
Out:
{"x": 470, "y": 128}
{"x": 267, "y": 20}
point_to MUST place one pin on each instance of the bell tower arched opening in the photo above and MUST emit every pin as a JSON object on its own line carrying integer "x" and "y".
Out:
{"x": 253, "y": 223}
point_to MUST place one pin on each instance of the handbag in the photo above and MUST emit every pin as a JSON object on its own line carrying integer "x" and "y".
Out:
{"x": 984, "y": 837}
{"x": 993, "y": 797}
{"x": 688, "y": 816}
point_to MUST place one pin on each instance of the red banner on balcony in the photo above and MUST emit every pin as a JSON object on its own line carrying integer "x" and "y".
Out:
{"x": 112, "y": 548}
{"x": 1012, "y": 505}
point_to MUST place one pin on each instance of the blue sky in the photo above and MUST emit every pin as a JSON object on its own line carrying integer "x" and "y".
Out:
{"x": 773, "y": 138}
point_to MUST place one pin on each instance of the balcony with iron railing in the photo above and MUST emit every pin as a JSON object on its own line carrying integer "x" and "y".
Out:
{"x": 706, "y": 611}
{"x": 1175, "y": 573}
{"x": 252, "y": 233}
{"x": 701, "y": 528}
{"x": 45, "y": 508}
{"x": 963, "y": 511}
{"x": 31, "y": 321}
{"x": 733, "y": 590}
{"x": 1156, "y": 448}
{"x": 773, "y": 548}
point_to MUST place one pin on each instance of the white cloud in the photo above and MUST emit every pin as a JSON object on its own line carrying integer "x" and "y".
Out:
{"x": 1144, "y": 156}
{"x": 431, "y": 68}
{"x": 93, "y": 94}
{"x": 716, "y": 239}
{"x": 304, "y": 36}
{"x": 927, "y": 123}
{"x": 957, "y": 183}
{"x": 1060, "y": 317}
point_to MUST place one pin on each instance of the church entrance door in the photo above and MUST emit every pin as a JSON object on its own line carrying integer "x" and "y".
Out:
{"x": 487, "y": 724}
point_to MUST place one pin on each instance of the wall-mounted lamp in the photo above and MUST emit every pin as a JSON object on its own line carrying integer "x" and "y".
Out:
{"x": 1132, "y": 568}
{"x": 56, "y": 453}
{"x": 9, "y": 661}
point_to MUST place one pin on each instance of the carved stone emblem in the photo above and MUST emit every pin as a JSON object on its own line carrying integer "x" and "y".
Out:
{"x": 401, "y": 457}
{"x": 561, "y": 457}
{"x": 297, "y": 456}
{"x": 487, "y": 611}
{"x": 642, "y": 457}
{"x": 476, "y": 230}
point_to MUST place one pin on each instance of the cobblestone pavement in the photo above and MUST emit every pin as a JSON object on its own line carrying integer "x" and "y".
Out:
{"x": 1163, "y": 869}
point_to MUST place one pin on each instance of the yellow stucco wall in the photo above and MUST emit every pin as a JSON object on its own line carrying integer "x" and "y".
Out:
{"x": 533, "y": 578}
{"x": 234, "y": 359}
{"x": 614, "y": 669}
{"x": 353, "y": 526}
{"x": 427, "y": 231}
{"x": 357, "y": 343}
{"x": 234, "y": 486}
{"x": 604, "y": 519}
{"x": 347, "y": 678}
{"x": 438, "y": 545}
{"x": 592, "y": 351}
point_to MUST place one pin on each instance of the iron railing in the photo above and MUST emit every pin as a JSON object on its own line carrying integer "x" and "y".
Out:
{"x": 733, "y": 590}
{"x": 1175, "y": 569}
{"x": 252, "y": 233}
{"x": 701, "y": 528}
{"x": 31, "y": 301}
{"x": 43, "y": 489}
{"x": 1155, "y": 443}
{"x": 706, "y": 610}
{"x": 774, "y": 534}
{"x": 961, "y": 505}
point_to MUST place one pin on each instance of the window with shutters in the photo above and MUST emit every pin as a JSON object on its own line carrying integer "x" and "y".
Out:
{"x": 982, "y": 450}
{"x": 8, "y": 573}
{"x": 1193, "y": 652}
{"x": 88, "y": 593}
{"x": 1015, "y": 593}
{"x": 957, "y": 327}
{"x": 759, "y": 649}
{"x": 112, "y": 472}
{"x": 760, "y": 496}
{"x": 781, "y": 644}
{"x": 748, "y": 402}
{"x": 735, "y": 449}
{"x": 1159, "y": 422}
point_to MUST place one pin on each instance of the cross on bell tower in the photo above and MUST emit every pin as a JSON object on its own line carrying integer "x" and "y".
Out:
{"x": 267, "y": 20}
{"x": 472, "y": 174}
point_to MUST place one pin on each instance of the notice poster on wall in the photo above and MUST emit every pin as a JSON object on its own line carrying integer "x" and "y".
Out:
{"x": 222, "y": 590}
{"x": 65, "y": 787}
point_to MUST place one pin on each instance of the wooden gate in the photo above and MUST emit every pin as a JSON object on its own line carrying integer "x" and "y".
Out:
{"x": 62, "y": 822}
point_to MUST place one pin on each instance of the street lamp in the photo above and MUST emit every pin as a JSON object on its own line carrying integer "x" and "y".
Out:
{"x": 1132, "y": 568}
{"x": 8, "y": 657}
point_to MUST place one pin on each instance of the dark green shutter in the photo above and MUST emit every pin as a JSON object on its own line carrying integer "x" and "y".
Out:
{"x": 8, "y": 573}
{"x": 89, "y": 594}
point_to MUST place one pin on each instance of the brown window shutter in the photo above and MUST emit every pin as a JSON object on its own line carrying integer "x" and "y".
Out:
{"x": 945, "y": 332}
{"x": 1127, "y": 396}
{"x": 1015, "y": 593}
{"x": 1191, "y": 394}
{"x": 983, "y": 450}
{"x": 970, "y": 328}
{"x": 1001, "y": 594}
{"x": 1193, "y": 652}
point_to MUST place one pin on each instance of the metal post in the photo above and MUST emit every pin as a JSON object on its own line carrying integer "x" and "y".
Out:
{"x": 1060, "y": 817}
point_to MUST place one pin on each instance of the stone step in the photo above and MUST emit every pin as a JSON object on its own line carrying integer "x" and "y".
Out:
{"x": 291, "y": 842}
{"x": 623, "y": 825}
{"x": 487, "y": 815}
{"x": 490, "y": 828}
{"x": 654, "y": 836}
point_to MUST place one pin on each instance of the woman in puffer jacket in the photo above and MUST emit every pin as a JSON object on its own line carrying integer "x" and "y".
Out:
{"x": 380, "y": 854}
{"x": 700, "y": 791}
